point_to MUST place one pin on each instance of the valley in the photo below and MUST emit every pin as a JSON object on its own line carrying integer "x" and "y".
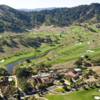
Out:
{"x": 50, "y": 54}
{"x": 65, "y": 46}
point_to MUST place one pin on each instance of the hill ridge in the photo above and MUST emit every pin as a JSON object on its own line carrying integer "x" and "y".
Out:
{"x": 14, "y": 20}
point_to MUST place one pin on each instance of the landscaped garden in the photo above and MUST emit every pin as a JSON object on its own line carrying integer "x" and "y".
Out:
{"x": 78, "y": 95}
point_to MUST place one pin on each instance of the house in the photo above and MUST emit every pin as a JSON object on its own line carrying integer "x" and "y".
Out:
{"x": 71, "y": 74}
{"x": 43, "y": 78}
{"x": 78, "y": 70}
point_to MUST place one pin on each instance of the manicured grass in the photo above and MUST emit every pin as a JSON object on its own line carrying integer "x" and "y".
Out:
{"x": 69, "y": 53}
{"x": 29, "y": 55}
{"x": 78, "y": 95}
{"x": 70, "y": 48}
{"x": 17, "y": 58}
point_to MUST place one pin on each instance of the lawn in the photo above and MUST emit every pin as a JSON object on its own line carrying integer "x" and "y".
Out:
{"x": 78, "y": 95}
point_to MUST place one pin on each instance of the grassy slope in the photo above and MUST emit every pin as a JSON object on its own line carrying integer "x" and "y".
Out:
{"x": 78, "y": 95}
{"x": 27, "y": 55}
{"x": 73, "y": 44}
{"x": 72, "y": 49}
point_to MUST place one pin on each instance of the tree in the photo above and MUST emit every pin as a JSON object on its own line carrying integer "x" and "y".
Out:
{"x": 3, "y": 72}
{"x": 24, "y": 72}
{"x": 43, "y": 66}
{"x": 2, "y": 26}
{"x": 26, "y": 87}
{"x": 79, "y": 62}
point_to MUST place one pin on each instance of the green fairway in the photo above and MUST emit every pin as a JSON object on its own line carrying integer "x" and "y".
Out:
{"x": 78, "y": 95}
{"x": 23, "y": 56}
{"x": 67, "y": 46}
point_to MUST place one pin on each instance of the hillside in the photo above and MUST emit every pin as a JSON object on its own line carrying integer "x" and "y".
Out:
{"x": 20, "y": 21}
{"x": 13, "y": 20}
{"x": 52, "y": 45}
